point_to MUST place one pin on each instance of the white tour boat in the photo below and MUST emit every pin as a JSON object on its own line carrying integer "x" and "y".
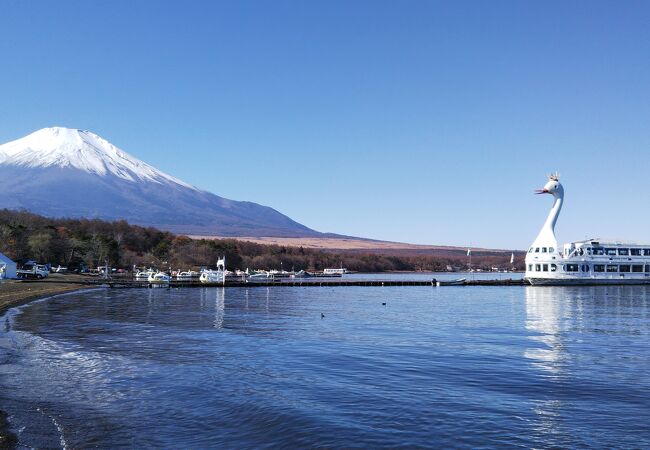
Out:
{"x": 592, "y": 261}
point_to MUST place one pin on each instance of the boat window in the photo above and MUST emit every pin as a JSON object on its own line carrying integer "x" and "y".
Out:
{"x": 530, "y": 267}
{"x": 537, "y": 268}
{"x": 551, "y": 249}
{"x": 553, "y": 267}
{"x": 610, "y": 251}
{"x": 646, "y": 251}
{"x": 623, "y": 251}
{"x": 637, "y": 268}
{"x": 543, "y": 249}
{"x": 611, "y": 268}
{"x": 537, "y": 250}
{"x": 598, "y": 251}
{"x": 647, "y": 268}
{"x": 599, "y": 267}
{"x": 531, "y": 250}
{"x": 635, "y": 252}
{"x": 624, "y": 268}
{"x": 545, "y": 267}
{"x": 570, "y": 267}
{"x": 585, "y": 268}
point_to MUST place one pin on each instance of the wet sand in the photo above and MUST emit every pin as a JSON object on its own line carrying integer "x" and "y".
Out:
{"x": 15, "y": 293}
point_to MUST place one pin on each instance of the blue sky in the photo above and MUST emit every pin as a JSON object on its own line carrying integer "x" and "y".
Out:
{"x": 418, "y": 121}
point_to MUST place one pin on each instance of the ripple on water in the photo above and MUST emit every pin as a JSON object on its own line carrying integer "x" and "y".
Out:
{"x": 461, "y": 367}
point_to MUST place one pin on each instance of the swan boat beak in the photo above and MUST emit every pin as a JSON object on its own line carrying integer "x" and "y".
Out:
{"x": 541, "y": 191}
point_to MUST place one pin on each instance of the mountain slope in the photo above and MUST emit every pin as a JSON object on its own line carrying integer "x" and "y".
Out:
{"x": 61, "y": 172}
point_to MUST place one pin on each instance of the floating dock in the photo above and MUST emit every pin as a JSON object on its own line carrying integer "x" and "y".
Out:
{"x": 311, "y": 283}
{"x": 127, "y": 283}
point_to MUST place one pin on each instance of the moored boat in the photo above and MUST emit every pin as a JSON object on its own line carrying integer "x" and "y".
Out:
{"x": 457, "y": 282}
{"x": 329, "y": 272}
{"x": 159, "y": 278}
{"x": 215, "y": 276}
{"x": 144, "y": 275}
{"x": 212, "y": 276}
{"x": 591, "y": 261}
{"x": 188, "y": 275}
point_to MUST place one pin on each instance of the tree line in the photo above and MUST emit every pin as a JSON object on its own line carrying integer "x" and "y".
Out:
{"x": 77, "y": 243}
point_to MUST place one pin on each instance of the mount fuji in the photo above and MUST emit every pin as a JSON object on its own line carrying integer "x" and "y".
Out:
{"x": 62, "y": 172}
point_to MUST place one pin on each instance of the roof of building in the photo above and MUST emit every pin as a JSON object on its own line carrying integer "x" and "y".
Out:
{"x": 4, "y": 259}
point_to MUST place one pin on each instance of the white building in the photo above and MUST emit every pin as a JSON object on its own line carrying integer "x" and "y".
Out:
{"x": 7, "y": 267}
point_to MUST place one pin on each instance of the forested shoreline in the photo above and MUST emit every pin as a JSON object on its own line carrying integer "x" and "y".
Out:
{"x": 76, "y": 243}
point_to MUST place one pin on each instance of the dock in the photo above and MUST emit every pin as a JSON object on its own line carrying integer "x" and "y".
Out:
{"x": 125, "y": 283}
{"x": 312, "y": 283}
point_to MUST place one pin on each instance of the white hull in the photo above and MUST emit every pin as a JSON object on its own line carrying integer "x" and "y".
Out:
{"x": 586, "y": 281}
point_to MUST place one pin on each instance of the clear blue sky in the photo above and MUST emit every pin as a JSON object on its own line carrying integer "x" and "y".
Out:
{"x": 418, "y": 121}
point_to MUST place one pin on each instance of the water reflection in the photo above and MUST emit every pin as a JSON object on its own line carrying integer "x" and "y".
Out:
{"x": 554, "y": 311}
{"x": 567, "y": 327}
{"x": 219, "y": 307}
{"x": 544, "y": 311}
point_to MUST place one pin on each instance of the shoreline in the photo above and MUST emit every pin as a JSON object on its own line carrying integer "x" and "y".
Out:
{"x": 13, "y": 294}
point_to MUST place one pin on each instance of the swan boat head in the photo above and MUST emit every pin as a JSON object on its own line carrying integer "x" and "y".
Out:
{"x": 546, "y": 238}
{"x": 553, "y": 187}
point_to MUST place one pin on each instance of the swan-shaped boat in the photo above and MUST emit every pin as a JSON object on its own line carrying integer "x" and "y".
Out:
{"x": 159, "y": 278}
{"x": 592, "y": 261}
{"x": 144, "y": 275}
{"x": 188, "y": 275}
{"x": 215, "y": 276}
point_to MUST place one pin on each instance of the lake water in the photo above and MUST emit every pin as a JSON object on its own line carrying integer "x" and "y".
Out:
{"x": 462, "y": 367}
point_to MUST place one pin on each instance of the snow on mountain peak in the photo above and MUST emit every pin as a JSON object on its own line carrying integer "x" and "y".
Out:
{"x": 79, "y": 149}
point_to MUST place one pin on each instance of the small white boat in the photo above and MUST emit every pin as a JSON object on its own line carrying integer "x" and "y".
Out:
{"x": 334, "y": 272}
{"x": 188, "y": 275}
{"x": 458, "y": 282}
{"x": 159, "y": 278}
{"x": 144, "y": 275}
{"x": 215, "y": 276}
{"x": 263, "y": 277}
{"x": 212, "y": 276}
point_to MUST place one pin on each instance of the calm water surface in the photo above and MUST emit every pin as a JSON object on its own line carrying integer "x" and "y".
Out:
{"x": 490, "y": 367}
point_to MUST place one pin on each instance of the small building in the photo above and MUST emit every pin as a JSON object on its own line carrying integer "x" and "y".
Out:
{"x": 7, "y": 267}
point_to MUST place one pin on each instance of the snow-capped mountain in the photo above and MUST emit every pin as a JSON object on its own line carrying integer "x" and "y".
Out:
{"x": 83, "y": 150}
{"x": 62, "y": 172}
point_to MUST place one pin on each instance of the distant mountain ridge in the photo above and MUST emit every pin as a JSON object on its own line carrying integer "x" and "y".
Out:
{"x": 62, "y": 172}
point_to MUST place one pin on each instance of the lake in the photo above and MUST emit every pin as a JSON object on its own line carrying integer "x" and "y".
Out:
{"x": 286, "y": 367}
